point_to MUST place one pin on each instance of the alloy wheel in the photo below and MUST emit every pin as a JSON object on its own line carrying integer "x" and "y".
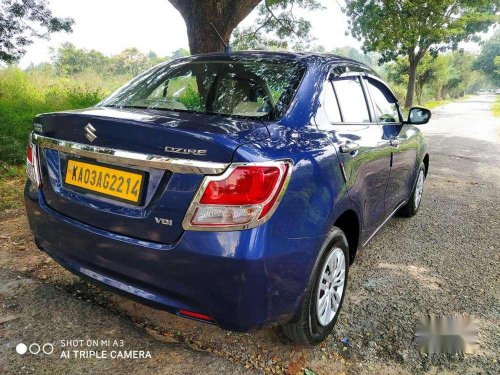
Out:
{"x": 331, "y": 287}
{"x": 419, "y": 189}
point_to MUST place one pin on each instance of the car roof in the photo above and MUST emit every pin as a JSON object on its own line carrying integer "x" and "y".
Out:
{"x": 297, "y": 56}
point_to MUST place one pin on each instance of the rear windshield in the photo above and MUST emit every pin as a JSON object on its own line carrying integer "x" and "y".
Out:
{"x": 243, "y": 88}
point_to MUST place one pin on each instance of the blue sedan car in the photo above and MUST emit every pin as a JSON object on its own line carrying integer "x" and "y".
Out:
{"x": 234, "y": 189}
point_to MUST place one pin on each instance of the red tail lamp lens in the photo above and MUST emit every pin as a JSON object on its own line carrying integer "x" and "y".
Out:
{"x": 32, "y": 170}
{"x": 30, "y": 153}
{"x": 269, "y": 205}
{"x": 243, "y": 197}
{"x": 244, "y": 186}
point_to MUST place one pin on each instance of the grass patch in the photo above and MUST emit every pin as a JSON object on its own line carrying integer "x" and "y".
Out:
{"x": 496, "y": 107}
{"x": 437, "y": 103}
{"x": 12, "y": 180}
{"x": 24, "y": 94}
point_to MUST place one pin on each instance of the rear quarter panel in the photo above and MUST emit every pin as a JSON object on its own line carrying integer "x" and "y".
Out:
{"x": 316, "y": 194}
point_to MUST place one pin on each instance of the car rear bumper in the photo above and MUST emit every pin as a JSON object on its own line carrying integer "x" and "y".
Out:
{"x": 242, "y": 279}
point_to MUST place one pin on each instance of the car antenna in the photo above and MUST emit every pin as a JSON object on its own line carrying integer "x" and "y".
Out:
{"x": 227, "y": 49}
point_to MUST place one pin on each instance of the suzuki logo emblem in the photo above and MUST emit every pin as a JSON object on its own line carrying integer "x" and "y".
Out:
{"x": 89, "y": 132}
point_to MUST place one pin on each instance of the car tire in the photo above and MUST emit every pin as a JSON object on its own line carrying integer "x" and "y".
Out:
{"x": 309, "y": 327}
{"x": 411, "y": 207}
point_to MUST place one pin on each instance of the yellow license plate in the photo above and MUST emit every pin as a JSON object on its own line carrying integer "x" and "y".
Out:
{"x": 116, "y": 183}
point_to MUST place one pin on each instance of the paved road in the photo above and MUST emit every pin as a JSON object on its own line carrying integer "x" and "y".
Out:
{"x": 443, "y": 261}
{"x": 470, "y": 119}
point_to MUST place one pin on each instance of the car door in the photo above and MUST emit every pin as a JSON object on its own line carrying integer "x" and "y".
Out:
{"x": 401, "y": 138}
{"x": 363, "y": 153}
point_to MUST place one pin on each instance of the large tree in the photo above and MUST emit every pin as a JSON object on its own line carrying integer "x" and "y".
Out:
{"x": 411, "y": 28}
{"x": 274, "y": 17}
{"x": 488, "y": 60}
{"x": 198, "y": 15}
{"x": 22, "y": 21}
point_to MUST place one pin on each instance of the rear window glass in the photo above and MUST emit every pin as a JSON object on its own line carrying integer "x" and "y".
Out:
{"x": 246, "y": 88}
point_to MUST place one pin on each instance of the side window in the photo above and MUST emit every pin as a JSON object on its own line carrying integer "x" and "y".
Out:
{"x": 330, "y": 104}
{"x": 384, "y": 103}
{"x": 351, "y": 99}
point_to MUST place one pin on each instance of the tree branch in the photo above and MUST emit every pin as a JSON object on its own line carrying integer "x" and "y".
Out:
{"x": 278, "y": 20}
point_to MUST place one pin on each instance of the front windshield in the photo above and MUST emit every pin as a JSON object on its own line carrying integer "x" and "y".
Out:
{"x": 242, "y": 87}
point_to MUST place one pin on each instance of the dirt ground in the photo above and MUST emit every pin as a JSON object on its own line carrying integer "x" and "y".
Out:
{"x": 443, "y": 261}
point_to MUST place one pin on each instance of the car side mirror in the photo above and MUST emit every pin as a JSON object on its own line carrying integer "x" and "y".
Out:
{"x": 419, "y": 116}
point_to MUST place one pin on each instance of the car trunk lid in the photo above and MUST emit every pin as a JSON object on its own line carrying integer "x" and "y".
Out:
{"x": 172, "y": 151}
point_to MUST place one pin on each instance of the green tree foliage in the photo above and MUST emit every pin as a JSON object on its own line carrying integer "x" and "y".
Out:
{"x": 463, "y": 76}
{"x": 488, "y": 60}
{"x": 22, "y": 21}
{"x": 69, "y": 60}
{"x": 429, "y": 69}
{"x": 371, "y": 59}
{"x": 132, "y": 62}
{"x": 449, "y": 75}
{"x": 181, "y": 52}
{"x": 277, "y": 26}
{"x": 412, "y": 28}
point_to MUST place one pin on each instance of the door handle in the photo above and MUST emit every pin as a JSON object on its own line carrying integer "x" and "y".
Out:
{"x": 348, "y": 147}
{"x": 395, "y": 142}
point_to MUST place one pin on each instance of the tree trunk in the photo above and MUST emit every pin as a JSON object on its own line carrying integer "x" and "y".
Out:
{"x": 410, "y": 92}
{"x": 439, "y": 93}
{"x": 224, "y": 14}
{"x": 444, "y": 93}
{"x": 419, "y": 92}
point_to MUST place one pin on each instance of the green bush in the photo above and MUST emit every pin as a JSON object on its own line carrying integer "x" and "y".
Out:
{"x": 24, "y": 94}
{"x": 496, "y": 107}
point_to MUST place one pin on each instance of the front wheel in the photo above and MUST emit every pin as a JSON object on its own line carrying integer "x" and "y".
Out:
{"x": 323, "y": 299}
{"x": 411, "y": 208}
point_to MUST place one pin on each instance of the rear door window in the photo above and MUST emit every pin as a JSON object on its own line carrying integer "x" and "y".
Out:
{"x": 351, "y": 99}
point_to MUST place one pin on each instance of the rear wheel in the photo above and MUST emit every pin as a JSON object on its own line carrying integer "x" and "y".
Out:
{"x": 411, "y": 208}
{"x": 323, "y": 299}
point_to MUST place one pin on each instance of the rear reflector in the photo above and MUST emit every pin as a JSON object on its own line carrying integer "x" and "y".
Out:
{"x": 195, "y": 315}
{"x": 243, "y": 197}
{"x": 32, "y": 164}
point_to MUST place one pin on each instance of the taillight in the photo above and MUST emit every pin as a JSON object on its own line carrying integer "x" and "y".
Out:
{"x": 243, "y": 197}
{"x": 32, "y": 164}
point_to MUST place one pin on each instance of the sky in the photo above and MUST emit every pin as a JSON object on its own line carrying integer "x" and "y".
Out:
{"x": 110, "y": 26}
